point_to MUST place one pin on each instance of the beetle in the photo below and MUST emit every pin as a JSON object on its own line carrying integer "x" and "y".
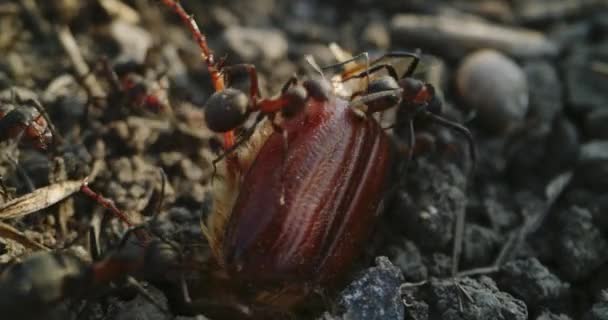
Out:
{"x": 297, "y": 198}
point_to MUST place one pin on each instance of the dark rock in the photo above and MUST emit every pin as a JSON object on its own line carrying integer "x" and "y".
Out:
{"x": 599, "y": 311}
{"x": 580, "y": 247}
{"x": 592, "y": 167}
{"x": 532, "y": 282}
{"x": 586, "y": 90}
{"x": 375, "y": 294}
{"x": 438, "y": 265}
{"x": 562, "y": 147}
{"x": 415, "y": 307}
{"x": 407, "y": 257}
{"x": 427, "y": 206}
{"x": 480, "y": 246}
{"x": 546, "y": 315}
{"x": 544, "y": 90}
{"x": 471, "y": 299}
{"x": 454, "y": 36}
{"x": 595, "y": 124}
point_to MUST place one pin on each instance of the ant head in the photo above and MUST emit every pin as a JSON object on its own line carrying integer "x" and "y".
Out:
{"x": 382, "y": 84}
{"x": 411, "y": 87}
{"x": 227, "y": 109}
{"x": 296, "y": 97}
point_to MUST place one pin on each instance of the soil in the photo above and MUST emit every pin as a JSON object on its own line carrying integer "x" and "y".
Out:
{"x": 520, "y": 233}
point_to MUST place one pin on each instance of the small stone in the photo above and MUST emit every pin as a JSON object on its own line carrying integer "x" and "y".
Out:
{"x": 546, "y": 315}
{"x": 532, "y": 282}
{"x": 134, "y": 41}
{"x": 545, "y": 91}
{"x": 480, "y": 299}
{"x": 599, "y": 311}
{"x": 586, "y": 90}
{"x": 595, "y": 124}
{"x": 407, "y": 257}
{"x": 495, "y": 87}
{"x": 251, "y": 44}
{"x": 480, "y": 245}
{"x": 376, "y": 35}
{"x": 592, "y": 167}
{"x": 580, "y": 247}
{"x": 374, "y": 294}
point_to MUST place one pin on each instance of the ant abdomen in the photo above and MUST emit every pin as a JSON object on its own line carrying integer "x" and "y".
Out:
{"x": 226, "y": 110}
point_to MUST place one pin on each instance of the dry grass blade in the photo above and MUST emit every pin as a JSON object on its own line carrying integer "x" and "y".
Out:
{"x": 8, "y": 232}
{"x": 39, "y": 199}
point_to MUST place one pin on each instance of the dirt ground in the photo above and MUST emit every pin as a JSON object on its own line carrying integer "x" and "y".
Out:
{"x": 521, "y": 233}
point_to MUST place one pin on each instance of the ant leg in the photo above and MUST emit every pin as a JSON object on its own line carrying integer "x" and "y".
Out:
{"x": 254, "y": 90}
{"x": 459, "y": 128}
{"x": 292, "y": 81}
{"x": 364, "y": 55}
{"x": 242, "y": 139}
{"x": 201, "y": 40}
{"x": 403, "y": 54}
{"x": 389, "y": 68}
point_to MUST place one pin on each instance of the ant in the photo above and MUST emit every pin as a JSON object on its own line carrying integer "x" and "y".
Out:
{"x": 27, "y": 121}
{"x": 414, "y": 97}
{"x": 130, "y": 88}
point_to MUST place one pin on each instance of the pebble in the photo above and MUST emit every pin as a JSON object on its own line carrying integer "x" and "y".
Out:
{"x": 544, "y": 91}
{"x": 580, "y": 247}
{"x": 585, "y": 89}
{"x": 599, "y": 311}
{"x": 495, "y": 87}
{"x": 595, "y": 124}
{"x": 592, "y": 167}
{"x": 255, "y": 44}
{"x": 455, "y": 36}
{"x": 407, "y": 257}
{"x": 374, "y": 294}
{"x": 529, "y": 280}
{"x": 474, "y": 299}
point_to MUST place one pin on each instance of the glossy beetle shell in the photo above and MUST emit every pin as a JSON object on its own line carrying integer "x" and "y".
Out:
{"x": 331, "y": 178}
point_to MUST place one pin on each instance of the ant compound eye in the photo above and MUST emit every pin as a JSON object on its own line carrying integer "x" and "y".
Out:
{"x": 318, "y": 90}
{"x": 296, "y": 97}
{"x": 383, "y": 84}
{"x": 226, "y": 110}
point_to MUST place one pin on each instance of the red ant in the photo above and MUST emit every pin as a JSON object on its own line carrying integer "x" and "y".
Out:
{"x": 26, "y": 121}
{"x": 413, "y": 97}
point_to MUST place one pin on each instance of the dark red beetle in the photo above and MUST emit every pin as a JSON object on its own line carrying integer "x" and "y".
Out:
{"x": 298, "y": 195}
